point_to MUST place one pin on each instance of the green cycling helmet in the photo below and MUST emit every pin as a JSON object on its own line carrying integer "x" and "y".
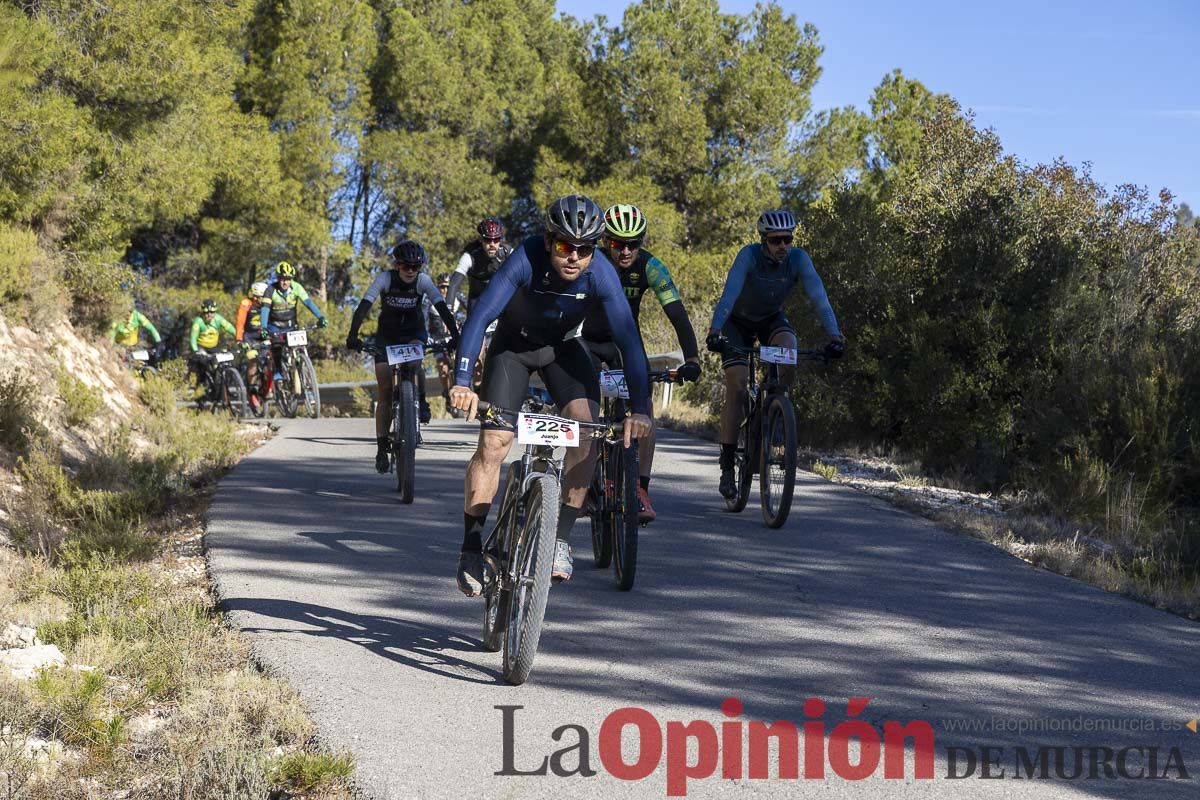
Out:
{"x": 208, "y": 307}
{"x": 284, "y": 270}
{"x": 625, "y": 221}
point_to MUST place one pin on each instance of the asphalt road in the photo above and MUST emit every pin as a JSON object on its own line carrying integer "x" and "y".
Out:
{"x": 350, "y": 595}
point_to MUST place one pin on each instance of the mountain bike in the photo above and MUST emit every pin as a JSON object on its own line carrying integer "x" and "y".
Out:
{"x": 766, "y": 441}
{"x": 404, "y": 432}
{"x": 259, "y": 351}
{"x": 613, "y": 493}
{"x": 293, "y": 378}
{"x": 141, "y": 361}
{"x": 518, "y": 553}
{"x": 223, "y": 384}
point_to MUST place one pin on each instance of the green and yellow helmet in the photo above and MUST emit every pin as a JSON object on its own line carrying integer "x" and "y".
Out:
{"x": 208, "y": 307}
{"x": 625, "y": 221}
{"x": 284, "y": 270}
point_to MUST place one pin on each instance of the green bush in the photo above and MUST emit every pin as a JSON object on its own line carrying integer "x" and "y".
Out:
{"x": 18, "y": 423}
{"x": 304, "y": 773}
{"x": 82, "y": 402}
{"x": 18, "y": 253}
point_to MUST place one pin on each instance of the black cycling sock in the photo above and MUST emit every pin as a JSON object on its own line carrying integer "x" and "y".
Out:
{"x": 473, "y": 533}
{"x": 727, "y": 454}
{"x": 644, "y": 480}
{"x": 383, "y": 442}
{"x": 566, "y": 520}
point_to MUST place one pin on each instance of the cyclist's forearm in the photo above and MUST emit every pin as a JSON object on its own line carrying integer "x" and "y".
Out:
{"x": 455, "y": 283}
{"x": 448, "y": 318}
{"x": 360, "y": 316}
{"x": 678, "y": 317}
{"x": 313, "y": 308}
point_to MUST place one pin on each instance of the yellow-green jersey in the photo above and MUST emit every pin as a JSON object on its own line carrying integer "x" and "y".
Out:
{"x": 206, "y": 335}
{"x": 126, "y": 333}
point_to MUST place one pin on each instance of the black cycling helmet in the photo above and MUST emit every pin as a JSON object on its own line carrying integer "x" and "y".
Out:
{"x": 490, "y": 228}
{"x": 409, "y": 252}
{"x": 576, "y": 218}
{"x": 208, "y": 307}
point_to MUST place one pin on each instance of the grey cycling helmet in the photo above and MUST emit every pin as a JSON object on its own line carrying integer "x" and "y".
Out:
{"x": 776, "y": 221}
{"x": 576, "y": 218}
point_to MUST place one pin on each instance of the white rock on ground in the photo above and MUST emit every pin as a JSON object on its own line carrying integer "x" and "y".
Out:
{"x": 18, "y": 636}
{"x": 24, "y": 662}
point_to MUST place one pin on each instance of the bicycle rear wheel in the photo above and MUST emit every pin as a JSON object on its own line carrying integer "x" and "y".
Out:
{"x": 233, "y": 393}
{"x": 777, "y": 478}
{"x": 310, "y": 391}
{"x": 625, "y": 515}
{"x": 534, "y": 555}
{"x": 743, "y": 468}
{"x": 404, "y": 440}
{"x": 601, "y": 534}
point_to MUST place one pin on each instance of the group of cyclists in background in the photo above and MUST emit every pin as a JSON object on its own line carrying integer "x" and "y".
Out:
{"x": 564, "y": 304}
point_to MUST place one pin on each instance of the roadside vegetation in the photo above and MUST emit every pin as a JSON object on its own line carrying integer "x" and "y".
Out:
{"x": 149, "y": 693}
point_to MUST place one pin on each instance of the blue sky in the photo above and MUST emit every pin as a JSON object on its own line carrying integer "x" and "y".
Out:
{"x": 1113, "y": 83}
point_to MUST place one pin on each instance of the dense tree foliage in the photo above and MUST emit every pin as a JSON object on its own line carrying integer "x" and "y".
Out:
{"x": 1005, "y": 320}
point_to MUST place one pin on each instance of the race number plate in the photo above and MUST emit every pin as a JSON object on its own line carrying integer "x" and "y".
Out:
{"x": 297, "y": 338}
{"x": 612, "y": 384}
{"x": 140, "y": 355}
{"x": 777, "y": 355}
{"x": 224, "y": 358}
{"x": 403, "y": 353}
{"x": 547, "y": 430}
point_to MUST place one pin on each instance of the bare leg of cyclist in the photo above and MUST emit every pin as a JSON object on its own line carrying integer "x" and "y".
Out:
{"x": 646, "y": 512}
{"x": 785, "y": 338}
{"x": 479, "y": 489}
{"x": 578, "y": 467}
{"x": 731, "y": 419}
{"x": 383, "y": 416}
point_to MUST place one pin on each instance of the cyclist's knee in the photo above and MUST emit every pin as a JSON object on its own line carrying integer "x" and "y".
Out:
{"x": 581, "y": 409}
{"x": 493, "y": 447}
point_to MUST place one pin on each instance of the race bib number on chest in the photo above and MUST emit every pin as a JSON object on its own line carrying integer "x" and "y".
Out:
{"x": 777, "y": 355}
{"x": 547, "y": 430}
{"x": 612, "y": 384}
{"x": 297, "y": 338}
{"x": 140, "y": 355}
{"x": 403, "y": 353}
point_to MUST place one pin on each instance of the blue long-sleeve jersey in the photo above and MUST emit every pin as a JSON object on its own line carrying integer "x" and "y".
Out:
{"x": 534, "y": 303}
{"x": 757, "y": 287}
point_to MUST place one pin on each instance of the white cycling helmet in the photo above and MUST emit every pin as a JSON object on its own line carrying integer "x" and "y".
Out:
{"x": 770, "y": 221}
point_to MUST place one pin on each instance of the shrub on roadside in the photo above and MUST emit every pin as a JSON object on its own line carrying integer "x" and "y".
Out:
{"x": 18, "y": 422}
{"x": 82, "y": 402}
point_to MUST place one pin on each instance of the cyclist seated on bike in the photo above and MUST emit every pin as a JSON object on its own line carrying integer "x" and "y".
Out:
{"x": 481, "y": 261}
{"x": 249, "y": 332}
{"x": 126, "y": 331}
{"x": 280, "y": 303}
{"x": 205, "y": 338}
{"x": 541, "y": 295}
{"x": 401, "y": 321}
{"x": 439, "y": 333}
{"x": 639, "y": 270}
{"x": 751, "y": 308}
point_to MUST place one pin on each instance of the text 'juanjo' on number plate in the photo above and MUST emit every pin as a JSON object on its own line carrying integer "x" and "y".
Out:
{"x": 297, "y": 338}
{"x": 777, "y": 355}
{"x": 547, "y": 430}
{"x": 403, "y": 353}
{"x": 612, "y": 384}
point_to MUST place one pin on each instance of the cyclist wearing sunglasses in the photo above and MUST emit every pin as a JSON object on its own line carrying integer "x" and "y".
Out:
{"x": 481, "y": 260}
{"x": 401, "y": 321}
{"x": 639, "y": 271}
{"x": 751, "y": 308}
{"x": 541, "y": 296}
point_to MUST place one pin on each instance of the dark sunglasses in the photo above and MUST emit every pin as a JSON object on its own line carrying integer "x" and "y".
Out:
{"x": 409, "y": 267}
{"x": 566, "y": 248}
{"x": 774, "y": 240}
{"x": 497, "y": 240}
{"x": 618, "y": 245}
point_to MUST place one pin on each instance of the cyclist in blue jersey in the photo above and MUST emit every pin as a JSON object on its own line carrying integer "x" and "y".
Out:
{"x": 541, "y": 295}
{"x": 640, "y": 272}
{"x": 751, "y": 308}
{"x": 404, "y": 289}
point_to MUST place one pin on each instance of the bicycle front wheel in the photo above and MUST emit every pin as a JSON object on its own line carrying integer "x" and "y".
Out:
{"x": 777, "y": 476}
{"x": 309, "y": 389}
{"x": 404, "y": 440}
{"x": 285, "y": 398}
{"x": 534, "y": 556}
{"x": 625, "y": 514}
{"x": 233, "y": 393}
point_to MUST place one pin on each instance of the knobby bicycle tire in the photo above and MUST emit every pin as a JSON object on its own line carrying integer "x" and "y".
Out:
{"x": 601, "y": 534}
{"x": 405, "y": 424}
{"x": 777, "y": 475}
{"x": 743, "y": 469}
{"x": 624, "y": 518}
{"x": 534, "y": 553}
{"x": 233, "y": 393}
{"x": 309, "y": 388}
{"x": 285, "y": 398}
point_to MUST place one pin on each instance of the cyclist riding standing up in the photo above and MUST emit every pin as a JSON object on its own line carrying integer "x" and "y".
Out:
{"x": 541, "y": 295}
{"x": 279, "y": 304}
{"x": 204, "y": 339}
{"x": 249, "y": 324}
{"x": 401, "y": 321}
{"x": 481, "y": 260}
{"x": 751, "y": 308}
{"x": 639, "y": 270}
